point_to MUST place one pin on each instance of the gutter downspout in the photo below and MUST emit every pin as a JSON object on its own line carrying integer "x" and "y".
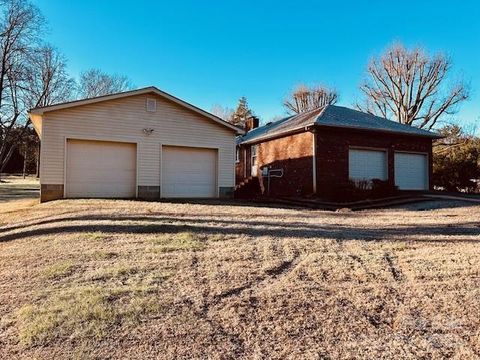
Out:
{"x": 314, "y": 160}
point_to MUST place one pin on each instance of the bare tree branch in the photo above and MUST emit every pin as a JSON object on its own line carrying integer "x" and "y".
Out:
{"x": 305, "y": 98}
{"x": 409, "y": 86}
{"x": 223, "y": 113}
{"x": 94, "y": 83}
{"x": 20, "y": 27}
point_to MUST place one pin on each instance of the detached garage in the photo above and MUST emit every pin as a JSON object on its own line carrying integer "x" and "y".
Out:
{"x": 137, "y": 144}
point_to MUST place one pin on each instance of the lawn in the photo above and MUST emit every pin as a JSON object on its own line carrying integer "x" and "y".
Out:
{"x": 18, "y": 192}
{"x": 127, "y": 279}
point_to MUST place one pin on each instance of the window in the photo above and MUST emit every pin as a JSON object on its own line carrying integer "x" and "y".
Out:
{"x": 254, "y": 155}
{"x": 237, "y": 155}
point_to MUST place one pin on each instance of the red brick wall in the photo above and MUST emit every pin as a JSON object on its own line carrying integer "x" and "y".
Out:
{"x": 291, "y": 153}
{"x": 332, "y": 153}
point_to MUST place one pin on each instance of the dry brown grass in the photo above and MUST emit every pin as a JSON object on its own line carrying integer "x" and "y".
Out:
{"x": 121, "y": 279}
{"x": 16, "y": 205}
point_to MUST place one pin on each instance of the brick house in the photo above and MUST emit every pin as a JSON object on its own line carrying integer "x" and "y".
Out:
{"x": 319, "y": 152}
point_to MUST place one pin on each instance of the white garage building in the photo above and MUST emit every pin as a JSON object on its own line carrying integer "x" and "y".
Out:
{"x": 137, "y": 144}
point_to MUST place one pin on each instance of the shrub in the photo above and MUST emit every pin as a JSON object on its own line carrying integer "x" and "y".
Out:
{"x": 456, "y": 161}
{"x": 356, "y": 190}
{"x": 382, "y": 188}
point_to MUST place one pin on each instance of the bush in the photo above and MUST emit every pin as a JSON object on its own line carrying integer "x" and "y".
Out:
{"x": 356, "y": 190}
{"x": 382, "y": 188}
{"x": 456, "y": 161}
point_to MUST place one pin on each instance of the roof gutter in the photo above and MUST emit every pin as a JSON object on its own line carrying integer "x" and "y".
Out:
{"x": 280, "y": 134}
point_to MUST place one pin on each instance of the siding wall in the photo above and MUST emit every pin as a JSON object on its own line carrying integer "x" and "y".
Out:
{"x": 124, "y": 120}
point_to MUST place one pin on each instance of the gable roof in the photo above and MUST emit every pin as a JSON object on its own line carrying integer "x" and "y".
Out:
{"x": 332, "y": 116}
{"x": 146, "y": 90}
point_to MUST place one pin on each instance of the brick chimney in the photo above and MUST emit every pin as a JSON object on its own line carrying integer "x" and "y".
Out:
{"x": 251, "y": 123}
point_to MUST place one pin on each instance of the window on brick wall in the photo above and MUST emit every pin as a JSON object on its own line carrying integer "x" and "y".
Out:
{"x": 254, "y": 155}
{"x": 237, "y": 155}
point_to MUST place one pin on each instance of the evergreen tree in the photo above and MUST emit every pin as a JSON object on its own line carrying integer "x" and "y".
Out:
{"x": 241, "y": 113}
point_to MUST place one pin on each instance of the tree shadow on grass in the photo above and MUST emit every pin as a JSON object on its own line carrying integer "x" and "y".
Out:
{"x": 414, "y": 205}
{"x": 174, "y": 224}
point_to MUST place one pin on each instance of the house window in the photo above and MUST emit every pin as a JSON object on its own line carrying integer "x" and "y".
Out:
{"x": 254, "y": 155}
{"x": 237, "y": 155}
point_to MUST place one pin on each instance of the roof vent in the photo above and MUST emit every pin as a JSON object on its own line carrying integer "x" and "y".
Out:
{"x": 151, "y": 105}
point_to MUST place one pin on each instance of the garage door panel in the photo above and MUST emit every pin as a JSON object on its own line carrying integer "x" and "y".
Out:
{"x": 100, "y": 169}
{"x": 188, "y": 172}
{"x": 411, "y": 171}
{"x": 367, "y": 164}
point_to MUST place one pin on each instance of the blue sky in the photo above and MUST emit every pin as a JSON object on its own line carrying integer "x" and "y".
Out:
{"x": 213, "y": 52}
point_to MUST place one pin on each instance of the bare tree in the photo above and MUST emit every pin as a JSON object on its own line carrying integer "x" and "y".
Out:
{"x": 48, "y": 81}
{"x": 31, "y": 74}
{"x": 223, "y": 113}
{"x": 409, "y": 86}
{"x": 305, "y": 98}
{"x": 20, "y": 24}
{"x": 94, "y": 83}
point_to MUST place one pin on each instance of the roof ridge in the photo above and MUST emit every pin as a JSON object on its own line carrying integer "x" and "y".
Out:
{"x": 322, "y": 111}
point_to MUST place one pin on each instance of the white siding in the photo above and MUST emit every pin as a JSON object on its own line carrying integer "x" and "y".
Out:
{"x": 124, "y": 120}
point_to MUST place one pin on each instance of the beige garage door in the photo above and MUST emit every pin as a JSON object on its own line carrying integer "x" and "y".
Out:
{"x": 188, "y": 172}
{"x": 100, "y": 169}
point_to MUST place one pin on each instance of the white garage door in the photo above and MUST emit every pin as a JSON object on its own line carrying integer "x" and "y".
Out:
{"x": 100, "y": 169}
{"x": 188, "y": 172}
{"x": 411, "y": 171}
{"x": 367, "y": 164}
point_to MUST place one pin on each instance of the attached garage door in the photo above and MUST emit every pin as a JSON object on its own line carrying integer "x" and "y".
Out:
{"x": 411, "y": 171}
{"x": 367, "y": 164}
{"x": 100, "y": 169}
{"x": 189, "y": 172}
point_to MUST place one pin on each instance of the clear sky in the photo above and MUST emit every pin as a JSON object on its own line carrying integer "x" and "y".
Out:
{"x": 213, "y": 52}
